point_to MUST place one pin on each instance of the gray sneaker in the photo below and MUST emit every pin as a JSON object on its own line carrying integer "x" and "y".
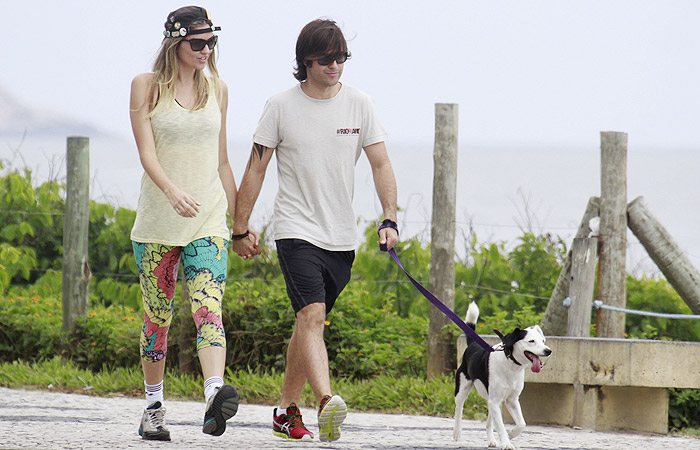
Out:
{"x": 153, "y": 423}
{"x": 220, "y": 407}
{"x": 331, "y": 415}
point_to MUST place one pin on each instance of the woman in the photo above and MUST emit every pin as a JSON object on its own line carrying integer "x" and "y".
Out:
{"x": 178, "y": 116}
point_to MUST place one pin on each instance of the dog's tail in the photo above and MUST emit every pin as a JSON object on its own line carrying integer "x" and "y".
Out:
{"x": 472, "y": 317}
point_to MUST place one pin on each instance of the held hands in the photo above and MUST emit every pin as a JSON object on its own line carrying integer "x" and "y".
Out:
{"x": 183, "y": 203}
{"x": 247, "y": 246}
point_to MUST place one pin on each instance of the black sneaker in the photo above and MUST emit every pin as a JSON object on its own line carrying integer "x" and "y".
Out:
{"x": 153, "y": 423}
{"x": 220, "y": 407}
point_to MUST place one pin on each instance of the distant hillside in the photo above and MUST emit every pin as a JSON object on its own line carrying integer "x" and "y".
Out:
{"x": 17, "y": 120}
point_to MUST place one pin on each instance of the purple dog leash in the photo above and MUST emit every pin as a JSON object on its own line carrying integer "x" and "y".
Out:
{"x": 430, "y": 296}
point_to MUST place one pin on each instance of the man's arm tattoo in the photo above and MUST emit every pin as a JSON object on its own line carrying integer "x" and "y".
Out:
{"x": 259, "y": 149}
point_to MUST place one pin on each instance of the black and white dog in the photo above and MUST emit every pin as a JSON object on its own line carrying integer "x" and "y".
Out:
{"x": 499, "y": 377}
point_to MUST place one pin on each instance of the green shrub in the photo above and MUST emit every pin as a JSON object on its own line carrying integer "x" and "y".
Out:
{"x": 658, "y": 295}
{"x": 684, "y": 408}
{"x": 364, "y": 340}
{"x": 30, "y": 326}
{"x": 108, "y": 338}
{"x": 361, "y": 339}
{"x": 31, "y": 330}
{"x": 258, "y": 321}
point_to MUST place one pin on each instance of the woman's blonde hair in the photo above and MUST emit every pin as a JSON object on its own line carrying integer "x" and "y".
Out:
{"x": 165, "y": 70}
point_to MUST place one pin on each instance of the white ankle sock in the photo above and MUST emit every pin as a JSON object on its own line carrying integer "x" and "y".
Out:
{"x": 210, "y": 385}
{"x": 154, "y": 393}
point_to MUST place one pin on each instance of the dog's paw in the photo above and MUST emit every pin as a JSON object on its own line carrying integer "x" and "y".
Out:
{"x": 457, "y": 434}
{"x": 493, "y": 444}
{"x": 507, "y": 446}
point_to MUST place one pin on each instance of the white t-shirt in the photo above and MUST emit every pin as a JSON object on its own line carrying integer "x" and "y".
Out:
{"x": 318, "y": 143}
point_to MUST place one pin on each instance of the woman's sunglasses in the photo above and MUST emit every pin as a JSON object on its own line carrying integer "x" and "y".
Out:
{"x": 198, "y": 44}
{"x": 340, "y": 58}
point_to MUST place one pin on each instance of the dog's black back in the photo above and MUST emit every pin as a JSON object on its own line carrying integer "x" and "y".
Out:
{"x": 475, "y": 360}
{"x": 475, "y": 365}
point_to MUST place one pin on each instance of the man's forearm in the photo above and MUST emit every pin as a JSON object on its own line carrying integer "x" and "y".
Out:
{"x": 385, "y": 184}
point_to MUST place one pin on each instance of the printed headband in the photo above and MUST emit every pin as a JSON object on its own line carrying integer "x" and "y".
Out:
{"x": 180, "y": 21}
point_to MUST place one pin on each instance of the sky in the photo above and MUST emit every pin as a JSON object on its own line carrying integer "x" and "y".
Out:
{"x": 536, "y": 82}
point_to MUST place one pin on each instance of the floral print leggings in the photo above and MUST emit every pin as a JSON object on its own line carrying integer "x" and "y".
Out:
{"x": 204, "y": 261}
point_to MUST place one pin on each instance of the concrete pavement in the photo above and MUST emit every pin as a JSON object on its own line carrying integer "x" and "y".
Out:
{"x": 47, "y": 421}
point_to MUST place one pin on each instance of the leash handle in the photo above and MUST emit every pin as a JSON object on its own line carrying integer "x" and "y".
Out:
{"x": 441, "y": 306}
{"x": 387, "y": 223}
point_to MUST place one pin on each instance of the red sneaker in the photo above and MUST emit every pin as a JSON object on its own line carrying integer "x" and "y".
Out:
{"x": 290, "y": 426}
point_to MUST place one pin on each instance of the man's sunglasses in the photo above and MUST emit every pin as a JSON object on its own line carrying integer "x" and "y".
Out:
{"x": 340, "y": 58}
{"x": 198, "y": 44}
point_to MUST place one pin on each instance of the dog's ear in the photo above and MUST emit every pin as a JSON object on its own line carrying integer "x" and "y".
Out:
{"x": 509, "y": 341}
{"x": 513, "y": 337}
{"x": 538, "y": 329}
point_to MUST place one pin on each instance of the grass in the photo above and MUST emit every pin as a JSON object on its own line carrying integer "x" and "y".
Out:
{"x": 402, "y": 395}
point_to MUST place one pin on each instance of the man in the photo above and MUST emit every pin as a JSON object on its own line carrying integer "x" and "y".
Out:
{"x": 319, "y": 129}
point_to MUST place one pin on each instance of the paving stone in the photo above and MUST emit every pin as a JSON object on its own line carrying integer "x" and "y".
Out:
{"x": 44, "y": 420}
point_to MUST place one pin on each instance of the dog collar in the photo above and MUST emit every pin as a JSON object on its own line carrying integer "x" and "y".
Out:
{"x": 508, "y": 351}
{"x": 512, "y": 358}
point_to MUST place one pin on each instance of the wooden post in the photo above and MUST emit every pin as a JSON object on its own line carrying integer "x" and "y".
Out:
{"x": 665, "y": 252}
{"x": 613, "y": 232}
{"x": 584, "y": 259}
{"x": 442, "y": 236}
{"x": 554, "y": 321}
{"x": 76, "y": 270}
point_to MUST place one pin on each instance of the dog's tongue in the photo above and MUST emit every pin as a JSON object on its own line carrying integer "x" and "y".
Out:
{"x": 536, "y": 364}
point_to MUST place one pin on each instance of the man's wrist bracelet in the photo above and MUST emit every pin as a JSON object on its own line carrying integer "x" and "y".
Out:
{"x": 388, "y": 223}
{"x": 238, "y": 237}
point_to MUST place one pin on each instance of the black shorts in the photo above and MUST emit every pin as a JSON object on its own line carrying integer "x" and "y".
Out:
{"x": 312, "y": 274}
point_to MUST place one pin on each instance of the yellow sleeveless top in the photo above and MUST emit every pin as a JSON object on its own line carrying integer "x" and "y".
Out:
{"x": 187, "y": 147}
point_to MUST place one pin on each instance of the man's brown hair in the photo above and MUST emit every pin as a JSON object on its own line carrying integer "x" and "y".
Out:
{"x": 318, "y": 38}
